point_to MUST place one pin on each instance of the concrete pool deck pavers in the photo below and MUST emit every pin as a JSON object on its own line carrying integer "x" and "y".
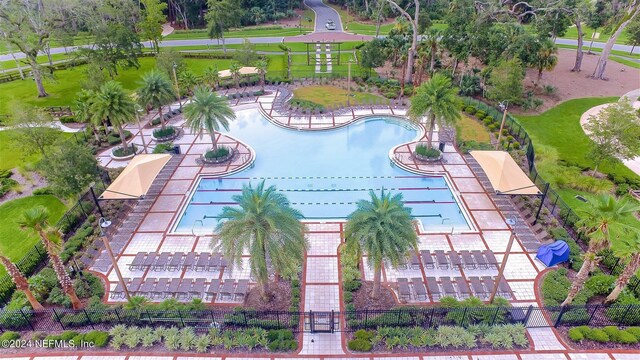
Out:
{"x": 321, "y": 289}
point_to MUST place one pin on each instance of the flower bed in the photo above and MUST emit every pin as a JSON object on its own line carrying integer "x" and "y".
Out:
{"x": 118, "y": 153}
{"x": 607, "y": 337}
{"x": 220, "y": 155}
{"x": 427, "y": 154}
{"x": 167, "y": 134}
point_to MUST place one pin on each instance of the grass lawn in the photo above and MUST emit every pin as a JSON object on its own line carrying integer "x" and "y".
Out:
{"x": 14, "y": 243}
{"x": 331, "y": 95}
{"x": 11, "y": 156}
{"x": 468, "y": 129}
{"x": 259, "y": 31}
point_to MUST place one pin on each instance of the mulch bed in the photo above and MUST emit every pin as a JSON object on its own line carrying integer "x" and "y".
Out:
{"x": 280, "y": 297}
{"x": 363, "y": 301}
{"x": 592, "y": 345}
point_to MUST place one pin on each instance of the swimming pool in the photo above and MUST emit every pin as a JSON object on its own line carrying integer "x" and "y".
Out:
{"x": 324, "y": 174}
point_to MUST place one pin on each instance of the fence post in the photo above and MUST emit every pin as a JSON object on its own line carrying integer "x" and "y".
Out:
{"x": 433, "y": 310}
{"x": 27, "y": 320}
{"x": 311, "y": 322}
{"x": 592, "y": 314}
{"x": 88, "y": 319}
{"x": 398, "y": 318}
{"x": 625, "y": 314}
{"x": 58, "y": 318}
{"x": 528, "y": 315}
{"x": 278, "y": 318}
{"x": 115, "y": 310}
{"x": 366, "y": 317}
{"x": 244, "y": 315}
{"x": 180, "y": 315}
{"x": 495, "y": 316}
{"x": 559, "y": 317}
{"x": 464, "y": 315}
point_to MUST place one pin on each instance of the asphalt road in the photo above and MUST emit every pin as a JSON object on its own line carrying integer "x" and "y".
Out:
{"x": 324, "y": 13}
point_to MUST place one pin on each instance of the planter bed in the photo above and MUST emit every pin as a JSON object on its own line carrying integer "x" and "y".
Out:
{"x": 176, "y": 133}
{"x": 218, "y": 160}
{"x": 126, "y": 157}
{"x": 588, "y": 344}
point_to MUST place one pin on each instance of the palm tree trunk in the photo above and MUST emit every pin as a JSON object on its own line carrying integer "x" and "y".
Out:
{"x": 432, "y": 125}
{"x": 214, "y": 144}
{"x": 581, "y": 277}
{"x": 61, "y": 272}
{"x": 95, "y": 133}
{"x": 162, "y": 124}
{"x": 377, "y": 277}
{"x": 123, "y": 138}
{"x": 21, "y": 282}
{"x": 623, "y": 279}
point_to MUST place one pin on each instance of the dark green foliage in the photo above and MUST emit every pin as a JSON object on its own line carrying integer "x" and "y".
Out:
{"x": 58, "y": 297}
{"x": 555, "y": 287}
{"x": 67, "y": 119}
{"x": 428, "y": 152}
{"x": 98, "y": 338}
{"x": 120, "y": 152}
{"x": 575, "y": 253}
{"x": 600, "y": 284}
{"x": 7, "y": 185}
{"x": 351, "y": 285}
{"x": 348, "y": 297}
{"x": 14, "y": 315}
{"x": 88, "y": 285}
{"x": 162, "y": 148}
{"x": 219, "y": 153}
{"x": 73, "y": 245}
{"x": 618, "y": 313}
{"x": 306, "y": 105}
{"x": 43, "y": 191}
{"x": 359, "y": 345}
{"x": 281, "y": 340}
{"x": 167, "y": 132}
{"x": 42, "y": 283}
{"x": 114, "y": 138}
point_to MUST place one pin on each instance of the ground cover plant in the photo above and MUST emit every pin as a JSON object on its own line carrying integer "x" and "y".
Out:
{"x": 325, "y": 95}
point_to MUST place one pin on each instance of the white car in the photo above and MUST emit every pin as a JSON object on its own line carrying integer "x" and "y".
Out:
{"x": 330, "y": 25}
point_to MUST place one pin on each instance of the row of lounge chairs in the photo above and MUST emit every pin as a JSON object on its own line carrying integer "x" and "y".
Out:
{"x": 168, "y": 115}
{"x": 458, "y": 288}
{"x": 203, "y": 261}
{"x": 530, "y": 218}
{"x": 183, "y": 289}
{"x": 465, "y": 259}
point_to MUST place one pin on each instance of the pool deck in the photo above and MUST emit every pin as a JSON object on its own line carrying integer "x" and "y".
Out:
{"x": 148, "y": 229}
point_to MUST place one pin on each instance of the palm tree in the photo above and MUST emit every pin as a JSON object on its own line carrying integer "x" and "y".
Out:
{"x": 188, "y": 80}
{"x": 211, "y": 76}
{"x": 261, "y": 66}
{"x": 37, "y": 220}
{"x": 21, "y": 282}
{"x": 268, "y": 228}
{"x": 234, "y": 69}
{"x": 438, "y": 99}
{"x": 208, "y": 111}
{"x": 546, "y": 58}
{"x": 630, "y": 250}
{"x": 601, "y": 221}
{"x": 82, "y": 110}
{"x": 382, "y": 228}
{"x": 156, "y": 91}
{"x": 113, "y": 104}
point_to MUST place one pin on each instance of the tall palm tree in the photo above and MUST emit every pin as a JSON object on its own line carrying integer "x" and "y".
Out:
{"x": 601, "y": 221}
{"x": 211, "y": 76}
{"x": 630, "y": 250}
{"x": 208, "y": 111}
{"x": 37, "y": 220}
{"x": 21, "y": 282}
{"x": 188, "y": 81}
{"x": 381, "y": 228}
{"x": 268, "y": 228}
{"x": 82, "y": 110}
{"x": 156, "y": 91}
{"x": 234, "y": 69}
{"x": 546, "y": 58}
{"x": 261, "y": 66}
{"x": 113, "y": 104}
{"x": 438, "y": 99}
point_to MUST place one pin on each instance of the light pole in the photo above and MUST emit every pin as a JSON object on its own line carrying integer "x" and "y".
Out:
{"x": 512, "y": 223}
{"x": 503, "y": 106}
{"x": 144, "y": 145}
{"x": 104, "y": 223}
{"x": 300, "y": 24}
{"x": 175, "y": 79}
{"x": 349, "y": 80}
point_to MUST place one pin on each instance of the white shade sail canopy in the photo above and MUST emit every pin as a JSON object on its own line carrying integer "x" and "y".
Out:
{"x": 244, "y": 71}
{"x": 136, "y": 179}
{"x": 505, "y": 175}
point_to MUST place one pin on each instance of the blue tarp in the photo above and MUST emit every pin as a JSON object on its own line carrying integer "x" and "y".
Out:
{"x": 553, "y": 254}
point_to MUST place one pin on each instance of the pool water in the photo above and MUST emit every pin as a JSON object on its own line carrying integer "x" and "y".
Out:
{"x": 323, "y": 174}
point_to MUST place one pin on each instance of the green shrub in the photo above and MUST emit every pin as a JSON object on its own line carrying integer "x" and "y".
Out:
{"x": 627, "y": 338}
{"x": 634, "y": 330}
{"x": 155, "y": 121}
{"x": 470, "y": 110}
{"x": 487, "y": 121}
{"x": 359, "y": 345}
{"x": 9, "y": 335}
{"x": 600, "y": 284}
{"x": 348, "y": 297}
{"x": 351, "y": 285}
{"x": 67, "y": 335}
{"x": 480, "y": 114}
{"x": 219, "y": 153}
{"x": 58, "y": 297}
{"x": 618, "y": 313}
{"x": 168, "y": 131}
{"x": 597, "y": 335}
{"x": 575, "y": 335}
{"x": 364, "y": 335}
{"x": 67, "y": 119}
{"x": 555, "y": 287}
{"x": 429, "y": 152}
{"x": 98, "y": 338}
{"x": 162, "y": 148}
{"x": 307, "y": 105}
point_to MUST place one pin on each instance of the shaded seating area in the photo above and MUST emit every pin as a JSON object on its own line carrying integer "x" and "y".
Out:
{"x": 457, "y": 287}
{"x": 183, "y": 289}
{"x": 177, "y": 261}
{"x": 468, "y": 260}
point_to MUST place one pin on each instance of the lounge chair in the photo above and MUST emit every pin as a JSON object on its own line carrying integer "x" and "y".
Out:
{"x": 212, "y": 290}
{"x": 149, "y": 261}
{"x": 173, "y": 287}
{"x": 434, "y": 289}
{"x": 184, "y": 288}
{"x": 135, "y": 285}
{"x": 447, "y": 286}
{"x": 241, "y": 289}
{"x": 456, "y": 262}
{"x": 176, "y": 261}
{"x": 427, "y": 260}
{"x": 504, "y": 289}
{"x": 404, "y": 292}
{"x": 137, "y": 262}
{"x": 463, "y": 288}
{"x": 477, "y": 287}
{"x": 481, "y": 263}
{"x": 419, "y": 289}
{"x": 203, "y": 261}
{"x": 197, "y": 288}
{"x": 161, "y": 262}
{"x": 415, "y": 262}
{"x": 227, "y": 288}
{"x": 189, "y": 261}
{"x": 146, "y": 287}
{"x": 160, "y": 288}
{"x": 118, "y": 292}
{"x": 469, "y": 263}
{"x": 489, "y": 283}
{"x": 441, "y": 259}
{"x": 491, "y": 259}
{"x": 214, "y": 262}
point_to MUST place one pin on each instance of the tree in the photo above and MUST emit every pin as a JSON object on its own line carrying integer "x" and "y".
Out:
{"x": 21, "y": 282}
{"x": 596, "y": 17}
{"x": 505, "y": 82}
{"x": 632, "y": 10}
{"x": 208, "y": 111}
{"x": 261, "y": 66}
{"x": 633, "y": 34}
{"x": 247, "y": 54}
{"x": 28, "y": 24}
{"x": 234, "y": 69}
{"x": 187, "y": 80}
{"x": 167, "y": 59}
{"x": 615, "y": 131}
{"x": 153, "y": 20}
{"x": 382, "y": 228}
{"x": 437, "y": 99}
{"x": 156, "y": 91}
{"x": 546, "y": 58}
{"x": 36, "y": 220}
{"x": 370, "y": 54}
{"x": 211, "y": 76}
{"x": 581, "y": 11}
{"x": 82, "y": 110}
{"x": 267, "y": 228}
{"x": 32, "y": 129}
{"x": 414, "y": 39}
{"x": 601, "y": 221}
{"x": 222, "y": 15}
{"x": 629, "y": 250}
{"x": 112, "y": 104}
{"x": 69, "y": 169}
